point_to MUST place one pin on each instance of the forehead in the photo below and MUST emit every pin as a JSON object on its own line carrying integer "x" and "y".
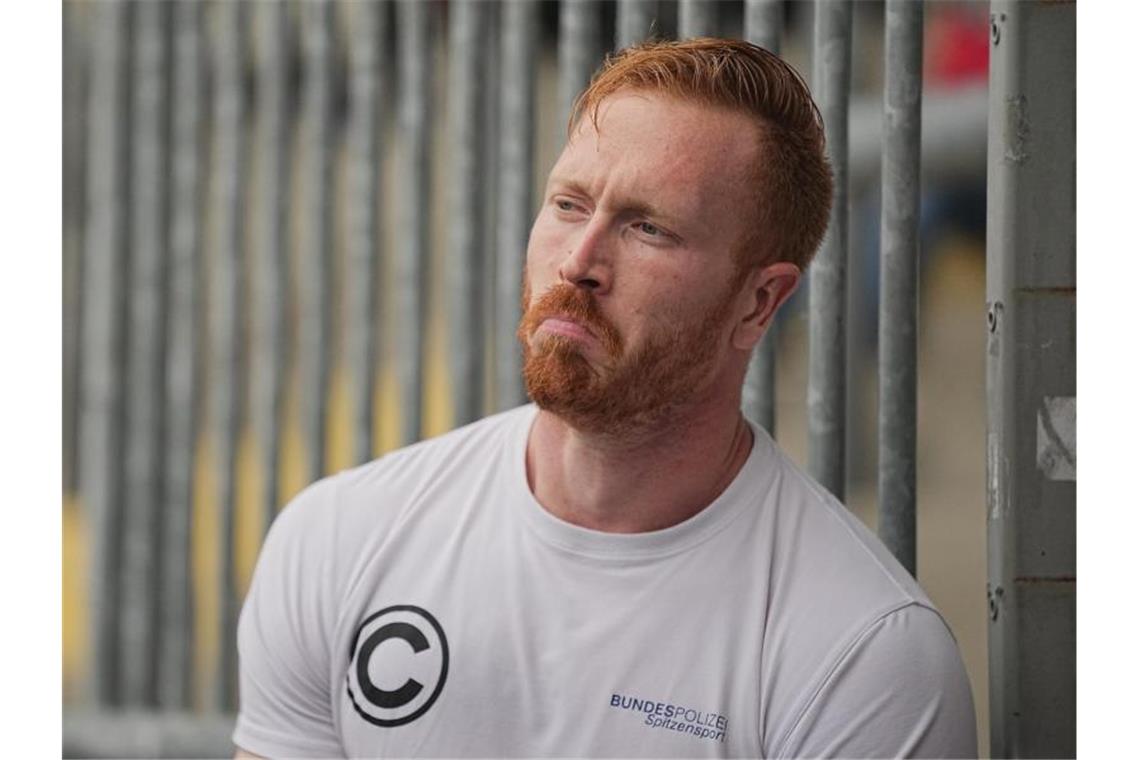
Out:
{"x": 690, "y": 159}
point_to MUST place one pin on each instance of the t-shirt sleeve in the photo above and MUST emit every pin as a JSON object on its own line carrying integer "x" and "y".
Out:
{"x": 284, "y": 636}
{"x": 900, "y": 690}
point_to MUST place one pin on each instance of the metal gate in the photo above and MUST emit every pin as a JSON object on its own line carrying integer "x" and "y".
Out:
{"x": 293, "y": 238}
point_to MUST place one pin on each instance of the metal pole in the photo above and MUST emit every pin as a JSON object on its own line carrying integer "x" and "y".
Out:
{"x": 271, "y": 284}
{"x": 763, "y": 23}
{"x": 138, "y": 640}
{"x": 635, "y": 21}
{"x": 465, "y": 268}
{"x": 182, "y": 358}
{"x": 697, "y": 18}
{"x": 366, "y": 91}
{"x": 520, "y": 33}
{"x": 898, "y": 305}
{"x": 1031, "y": 379}
{"x": 226, "y": 296}
{"x": 104, "y": 334}
{"x": 827, "y": 356}
{"x": 579, "y": 52}
{"x": 411, "y": 267}
{"x": 490, "y": 67}
{"x": 316, "y": 250}
{"x": 76, "y": 64}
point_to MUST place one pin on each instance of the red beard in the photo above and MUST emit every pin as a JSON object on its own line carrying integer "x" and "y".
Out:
{"x": 630, "y": 392}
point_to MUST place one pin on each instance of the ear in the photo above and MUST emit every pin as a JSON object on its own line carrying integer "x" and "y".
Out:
{"x": 767, "y": 289}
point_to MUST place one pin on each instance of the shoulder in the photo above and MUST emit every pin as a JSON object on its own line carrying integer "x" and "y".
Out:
{"x": 899, "y": 689}
{"x": 337, "y": 515}
{"x": 823, "y": 553}
{"x": 839, "y": 603}
{"x": 319, "y": 541}
{"x": 451, "y": 454}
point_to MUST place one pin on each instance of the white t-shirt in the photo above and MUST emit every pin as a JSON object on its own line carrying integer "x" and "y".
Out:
{"x": 426, "y": 605}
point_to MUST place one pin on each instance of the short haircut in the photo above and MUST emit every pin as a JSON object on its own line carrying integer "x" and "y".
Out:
{"x": 793, "y": 178}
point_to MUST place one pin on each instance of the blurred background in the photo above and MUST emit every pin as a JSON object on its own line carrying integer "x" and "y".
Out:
{"x": 293, "y": 235}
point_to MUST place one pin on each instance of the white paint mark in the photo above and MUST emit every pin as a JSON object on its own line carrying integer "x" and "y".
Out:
{"x": 1057, "y": 437}
{"x": 997, "y": 468}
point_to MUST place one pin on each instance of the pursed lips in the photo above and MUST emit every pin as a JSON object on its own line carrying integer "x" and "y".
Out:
{"x": 564, "y": 325}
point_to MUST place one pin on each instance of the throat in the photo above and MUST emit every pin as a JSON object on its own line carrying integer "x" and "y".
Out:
{"x": 622, "y": 487}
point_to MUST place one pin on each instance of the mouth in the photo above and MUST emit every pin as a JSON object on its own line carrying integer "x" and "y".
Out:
{"x": 563, "y": 325}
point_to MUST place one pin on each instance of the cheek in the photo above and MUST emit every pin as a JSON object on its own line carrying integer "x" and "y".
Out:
{"x": 664, "y": 298}
{"x": 656, "y": 284}
{"x": 542, "y": 251}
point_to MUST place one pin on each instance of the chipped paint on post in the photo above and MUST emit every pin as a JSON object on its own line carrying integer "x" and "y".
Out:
{"x": 1057, "y": 438}
{"x": 997, "y": 475}
{"x": 1016, "y": 130}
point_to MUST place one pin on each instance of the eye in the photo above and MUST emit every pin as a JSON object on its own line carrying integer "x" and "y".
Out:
{"x": 567, "y": 207}
{"x": 649, "y": 229}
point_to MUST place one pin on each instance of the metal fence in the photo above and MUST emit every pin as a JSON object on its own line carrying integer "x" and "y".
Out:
{"x": 275, "y": 210}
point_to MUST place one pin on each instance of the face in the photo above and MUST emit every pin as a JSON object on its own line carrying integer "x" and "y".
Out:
{"x": 632, "y": 290}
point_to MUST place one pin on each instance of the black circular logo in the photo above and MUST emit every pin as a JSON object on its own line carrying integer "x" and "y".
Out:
{"x": 397, "y": 665}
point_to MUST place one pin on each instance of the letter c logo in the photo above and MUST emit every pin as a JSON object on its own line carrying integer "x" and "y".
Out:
{"x": 372, "y": 675}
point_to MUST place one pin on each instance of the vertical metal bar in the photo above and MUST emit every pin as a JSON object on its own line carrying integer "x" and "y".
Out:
{"x": 76, "y": 58}
{"x": 898, "y": 305}
{"x": 466, "y": 266}
{"x": 490, "y": 191}
{"x": 226, "y": 292}
{"x": 316, "y": 250}
{"x": 827, "y": 355}
{"x": 635, "y": 20}
{"x": 104, "y": 333}
{"x": 138, "y": 640}
{"x": 517, "y": 140}
{"x": 182, "y": 356}
{"x": 579, "y": 52}
{"x": 366, "y": 94}
{"x": 411, "y": 266}
{"x": 271, "y": 284}
{"x": 763, "y": 23}
{"x": 697, "y": 19}
{"x": 1031, "y": 379}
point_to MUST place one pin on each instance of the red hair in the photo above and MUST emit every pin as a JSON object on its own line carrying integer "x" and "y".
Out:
{"x": 793, "y": 177}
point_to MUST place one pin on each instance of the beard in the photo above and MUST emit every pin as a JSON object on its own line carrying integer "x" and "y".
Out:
{"x": 632, "y": 391}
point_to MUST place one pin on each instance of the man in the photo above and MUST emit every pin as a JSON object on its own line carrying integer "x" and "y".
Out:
{"x": 627, "y": 567}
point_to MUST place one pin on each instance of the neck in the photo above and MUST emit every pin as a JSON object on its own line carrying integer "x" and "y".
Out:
{"x": 645, "y": 480}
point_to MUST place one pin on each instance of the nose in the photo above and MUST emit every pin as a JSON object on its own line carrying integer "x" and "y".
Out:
{"x": 587, "y": 265}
